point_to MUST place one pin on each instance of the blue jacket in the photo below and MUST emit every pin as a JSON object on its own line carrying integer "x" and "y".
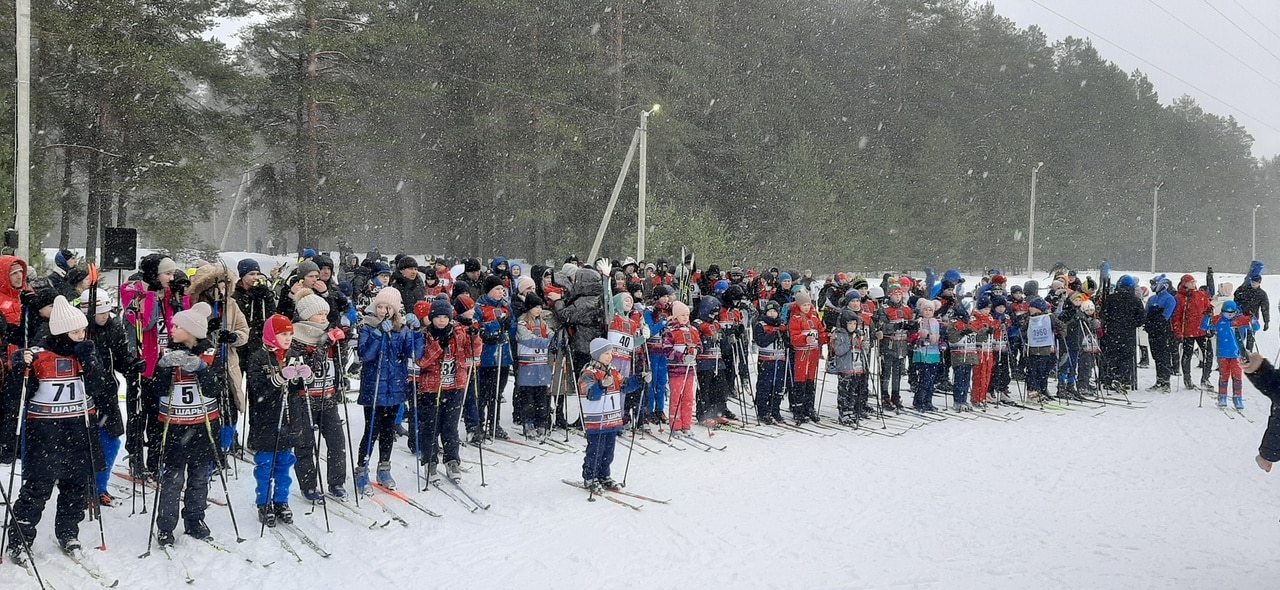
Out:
{"x": 385, "y": 361}
{"x": 1225, "y": 330}
{"x": 1166, "y": 301}
{"x": 497, "y": 331}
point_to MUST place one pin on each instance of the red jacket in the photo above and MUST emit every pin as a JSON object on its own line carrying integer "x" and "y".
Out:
{"x": 455, "y": 364}
{"x": 1193, "y": 305}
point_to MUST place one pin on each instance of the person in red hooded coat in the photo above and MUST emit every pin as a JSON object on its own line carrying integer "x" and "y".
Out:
{"x": 1193, "y": 306}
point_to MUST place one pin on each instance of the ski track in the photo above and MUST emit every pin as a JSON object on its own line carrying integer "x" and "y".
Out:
{"x": 1163, "y": 497}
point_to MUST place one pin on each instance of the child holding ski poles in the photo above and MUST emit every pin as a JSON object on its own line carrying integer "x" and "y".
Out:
{"x": 386, "y": 346}
{"x": 64, "y": 386}
{"x": 681, "y": 344}
{"x": 317, "y": 343}
{"x": 849, "y": 362}
{"x": 1231, "y": 329}
{"x": 276, "y": 379}
{"x": 187, "y": 387}
{"x": 771, "y": 362}
{"x": 600, "y": 386}
{"x": 448, "y": 351}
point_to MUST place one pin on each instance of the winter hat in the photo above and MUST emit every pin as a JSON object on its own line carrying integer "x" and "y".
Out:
{"x": 1127, "y": 281}
{"x": 859, "y": 283}
{"x": 65, "y": 318}
{"x": 275, "y": 325}
{"x": 786, "y": 276}
{"x": 875, "y": 293}
{"x": 309, "y": 253}
{"x": 1230, "y": 307}
{"x": 166, "y": 265}
{"x": 379, "y": 268}
{"x": 679, "y": 308}
{"x": 62, "y": 257}
{"x": 429, "y": 274}
{"x": 802, "y": 297}
{"x": 599, "y": 346}
{"x": 720, "y": 287}
{"x": 307, "y": 267}
{"x": 102, "y": 299}
{"x": 532, "y": 300}
{"x": 439, "y": 307}
{"x": 1088, "y": 307}
{"x": 246, "y": 266}
{"x": 195, "y": 320}
{"x": 984, "y": 302}
{"x": 76, "y": 274}
{"x": 463, "y": 303}
{"x": 323, "y": 262}
{"x": 389, "y": 296}
{"x": 663, "y": 291}
{"x": 311, "y": 304}
{"x": 925, "y": 304}
{"x": 998, "y": 279}
{"x": 1014, "y": 290}
{"x": 471, "y": 265}
{"x": 997, "y": 301}
{"x": 852, "y": 295}
{"x": 769, "y": 305}
{"x": 525, "y": 284}
{"x": 44, "y": 297}
{"x": 406, "y": 262}
{"x": 618, "y": 304}
{"x": 1040, "y": 304}
{"x": 848, "y": 315}
{"x": 895, "y": 287}
{"x": 490, "y": 282}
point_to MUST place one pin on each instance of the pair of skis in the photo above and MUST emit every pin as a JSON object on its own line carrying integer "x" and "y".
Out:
{"x": 612, "y": 496}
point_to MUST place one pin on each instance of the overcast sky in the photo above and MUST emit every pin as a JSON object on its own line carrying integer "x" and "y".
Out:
{"x": 1214, "y": 75}
{"x": 1153, "y": 40}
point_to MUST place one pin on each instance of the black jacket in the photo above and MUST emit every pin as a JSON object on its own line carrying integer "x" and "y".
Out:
{"x": 257, "y": 303}
{"x": 1267, "y": 381}
{"x": 1122, "y": 315}
{"x": 266, "y": 399}
{"x": 411, "y": 292}
{"x": 1253, "y": 301}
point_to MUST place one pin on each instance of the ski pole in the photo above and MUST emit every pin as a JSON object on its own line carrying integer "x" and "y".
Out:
{"x": 315, "y": 461}
{"x": 19, "y": 437}
{"x": 95, "y": 502}
{"x": 473, "y": 382}
{"x": 217, "y": 449}
{"x": 22, "y": 537}
{"x": 155, "y": 508}
{"x": 275, "y": 452}
{"x": 346, "y": 410}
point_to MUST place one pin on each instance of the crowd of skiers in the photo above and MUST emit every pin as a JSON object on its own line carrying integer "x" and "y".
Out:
{"x": 613, "y": 344}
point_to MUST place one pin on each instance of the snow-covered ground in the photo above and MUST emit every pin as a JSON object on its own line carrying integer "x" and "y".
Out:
{"x": 1166, "y": 496}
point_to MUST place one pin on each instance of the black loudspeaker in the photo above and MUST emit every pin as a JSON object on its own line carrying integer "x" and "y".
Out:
{"x": 11, "y": 239}
{"x": 119, "y": 248}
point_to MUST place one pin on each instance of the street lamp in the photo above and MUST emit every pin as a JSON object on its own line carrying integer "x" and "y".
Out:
{"x": 1031, "y": 230}
{"x": 1253, "y": 240}
{"x": 1155, "y": 212}
{"x": 644, "y": 175}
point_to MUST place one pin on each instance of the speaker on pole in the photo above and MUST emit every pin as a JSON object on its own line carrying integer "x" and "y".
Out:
{"x": 119, "y": 248}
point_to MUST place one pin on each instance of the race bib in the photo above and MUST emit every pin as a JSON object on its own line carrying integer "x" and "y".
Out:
{"x": 59, "y": 398}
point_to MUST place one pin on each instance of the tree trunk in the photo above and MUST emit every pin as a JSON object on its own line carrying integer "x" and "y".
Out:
{"x": 70, "y": 201}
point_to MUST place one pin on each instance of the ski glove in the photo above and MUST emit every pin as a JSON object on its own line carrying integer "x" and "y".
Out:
{"x": 226, "y": 337}
{"x": 413, "y": 321}
{"x": 386, "y": 326}
{"x": 647, "y": 377}
{"x": 607, "y": 382}
{"x": 85, "y": 353}
{"x": 183, "y": 360}
{"x": 335, "y": 335}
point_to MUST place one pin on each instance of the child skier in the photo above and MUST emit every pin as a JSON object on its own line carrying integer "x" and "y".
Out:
{"x": 927, "y": 356}
{"x": 849, "y": 362}
{"x": 771, "y": 370}
{"x": 188, "y": 387}
{"x": 600, "y": 386}
{"x": 713, "y": 391}
{"x": 386, "y": 345}
{"x": 1041, "y": 329}
{"x": 448, "y": 351}
{"x": 964, "y": 357}
{"x": 317, "y": 345}
{"x": 65, "y": 387}
{"x": 1230, "y": 330}
{"x": 681, "y": 344}
{"x": 808, "y": 337}
{"x": 533, "y": 373}
{"x": 276, "y": 380}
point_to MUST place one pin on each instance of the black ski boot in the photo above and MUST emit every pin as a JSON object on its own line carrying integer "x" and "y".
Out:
{"x": 283, "y": 513}
{"x": 165, "y": 538}
{"x": 266, "y": 515}
{"x": 197, "y": 529}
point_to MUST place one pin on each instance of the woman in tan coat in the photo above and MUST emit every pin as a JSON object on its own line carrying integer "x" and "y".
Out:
{"x": 212, "y": 284}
